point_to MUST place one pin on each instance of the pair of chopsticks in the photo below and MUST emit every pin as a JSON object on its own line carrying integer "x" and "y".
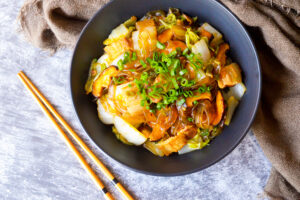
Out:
{"x": 53, "y": 115}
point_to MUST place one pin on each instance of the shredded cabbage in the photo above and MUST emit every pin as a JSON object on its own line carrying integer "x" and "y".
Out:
{"x": 236, "y": 91}
{"x": 217, "y": 35}
{"x": 95, "y": 69}
{"x": 232, "y": 103}
{"x": 200, "y": 48}
{"x": 197, "y": 142}
{"x": 167, "y": 23}
{"x": 191, "y": 38}
{"x": 121, "y": 31}
{"x": 119, "y": 136}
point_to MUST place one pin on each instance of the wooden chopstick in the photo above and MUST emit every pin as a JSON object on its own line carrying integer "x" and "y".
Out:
{"x": 42, "y": 100}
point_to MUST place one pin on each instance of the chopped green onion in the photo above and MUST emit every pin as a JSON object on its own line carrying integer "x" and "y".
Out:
{"x": 148, "y": 60}
{"x": 120, "y": 65}
{"x": 182, "y": 72}
{"x": 133, "y": 56}
{"x": 177, "y": 63}
{"x": 204, "y": 133}
{"x": 152, "y": 110}
{"x": 155, "y": 56}
{"x": 126, "y": 57}
{"x": 180, "y": 102}
{"x": 159, "y": 106}
{"x": 118, "y": 80}
{"x": 178, "y": 49}
{"x": 175, "y": 83}
{"x": 160, "y": 45}
{"x": 172, "y": 92}
{"x": 143, "y": 63}
{"x": 172, "y": 54}
{"x": 185, "y": 51}
{"x": 190, "y": 56}
{"x": 190, "y": 119}
{"x": 184, "y": 82}
{"x": 172, "y": 72}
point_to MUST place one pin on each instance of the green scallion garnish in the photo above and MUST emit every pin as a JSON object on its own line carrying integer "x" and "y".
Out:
{"x": 160, "y": 45}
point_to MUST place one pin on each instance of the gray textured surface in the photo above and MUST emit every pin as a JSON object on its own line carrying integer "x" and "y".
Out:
{"x": 36, "y": 164}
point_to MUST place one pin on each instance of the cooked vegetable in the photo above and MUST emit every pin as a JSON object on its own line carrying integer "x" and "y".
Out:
{"x": 197, "y": 142}
{"x": 172, "y": 144}
{"x": 129, "y": 132}
{"x": 165, "y": 82}
{"x": 204, "y": 114}
{"x": 145, "y": 38}
{"x": 104, "y": 80}
{"x": 205, "y": 33}
{"x": 173, "y": 45}
{"x": 104, "y": 116}
{"x": 120, "y": 32}
{"x": 232, "y": 104}
{"x": 165, "y": 36}
{"x": 94, "y": 71}
{"x": 237, "y": 91}
{"x": 217, "y": 35}
{"x": 200, "y": 48}
{"x": 198, "y": 96}
{"x": 221, "y": 56}
{"x": 127, "y": 102}
{"x": 220, "y": 108}
{"x": 179, "y": 32}
{"x": 152, "y": 146}
{"x": 230, "y": 75}
{"x": 117, "y": 48}
{"x": 164, "y": 119}
{"x": 191, "y": 37}
{"x": 119, "y": 136}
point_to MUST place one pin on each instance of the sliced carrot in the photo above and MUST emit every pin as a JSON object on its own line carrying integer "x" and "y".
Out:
{"x": 173, "y": 45}
{"x": 198, "y": 96}
{"x": 220, "y": 108}
{"x": 205, "y": 33}
{"x": 165, "y": 36}
{"x": 221, "y": 55}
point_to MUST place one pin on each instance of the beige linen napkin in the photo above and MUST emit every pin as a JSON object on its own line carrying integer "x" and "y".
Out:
{"x": 275, "y": 28}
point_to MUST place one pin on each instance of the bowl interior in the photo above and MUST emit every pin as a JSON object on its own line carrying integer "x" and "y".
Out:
{"x": 90, "y": 46}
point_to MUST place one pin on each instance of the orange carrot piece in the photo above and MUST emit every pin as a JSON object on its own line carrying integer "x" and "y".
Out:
{"x": 198, "y": 96}
{"x": 221, "y": 56}
{"x": 220, "y": 108}
{"x": 173, "y": 45}
{"x": 165, "y": 36}
{"x": 205, "y": 33}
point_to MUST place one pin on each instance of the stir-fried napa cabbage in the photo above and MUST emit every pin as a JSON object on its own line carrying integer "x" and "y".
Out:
{"x": 166, "y": 82}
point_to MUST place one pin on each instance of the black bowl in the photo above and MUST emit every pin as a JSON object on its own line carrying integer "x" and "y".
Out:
{"x": 242, "y": 51}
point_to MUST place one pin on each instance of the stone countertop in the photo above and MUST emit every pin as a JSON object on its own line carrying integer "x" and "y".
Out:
{"x": 36, "y": 164}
